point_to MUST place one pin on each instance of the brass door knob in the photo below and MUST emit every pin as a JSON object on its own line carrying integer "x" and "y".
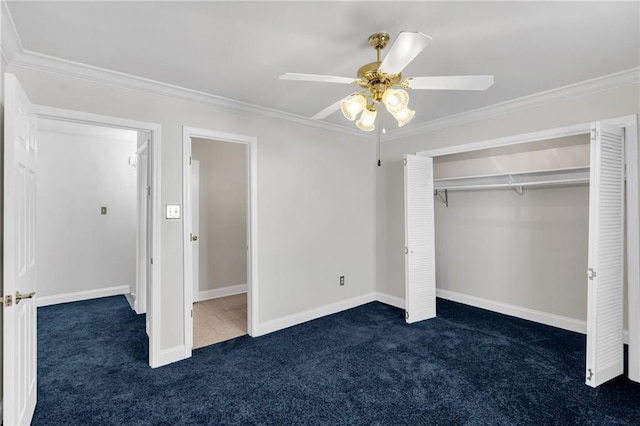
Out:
{"x": 194, "y": 238}
{"x": 20, "y": 296}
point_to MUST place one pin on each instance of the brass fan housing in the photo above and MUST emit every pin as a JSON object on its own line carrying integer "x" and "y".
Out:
{"x": 370, "y": 78}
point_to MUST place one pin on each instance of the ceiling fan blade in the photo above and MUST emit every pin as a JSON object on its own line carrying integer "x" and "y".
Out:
{"x": 316, "y": 78}
{"x": 329, "y": 110}
{"x": 406, "y": 47}
{"x": 460, "y": 82}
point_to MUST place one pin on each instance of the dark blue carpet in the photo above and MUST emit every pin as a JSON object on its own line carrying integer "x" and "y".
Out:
{"x": 362, "y": 366}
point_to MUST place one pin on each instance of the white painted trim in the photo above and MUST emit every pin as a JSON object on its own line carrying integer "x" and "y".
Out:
{"x": 168, "y": 356}
{"x": 632, "y": 158}
{"x": 390, "y": 300}
{"x": 578, "y": 129}
{"x": 131, "y": 300}
{"x": 153, "y": 295}
{"x": 220, "y": 292}
{"x": 311, "y": 314}
{"x": 81, "y": 295}
{"x": 553, "y": 320}
{"x": 252, "y": 227}
{"x": 583, "y": 88}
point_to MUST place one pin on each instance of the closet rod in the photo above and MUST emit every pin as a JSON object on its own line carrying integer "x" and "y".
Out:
{"x": 512, "y": 184}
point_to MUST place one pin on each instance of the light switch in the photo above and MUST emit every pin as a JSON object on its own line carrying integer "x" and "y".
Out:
{"x": 173, "y": 211}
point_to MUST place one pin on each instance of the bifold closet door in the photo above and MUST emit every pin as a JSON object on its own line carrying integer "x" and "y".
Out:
{"x": 420, "y": 267}
{"x": 606, "y": 251}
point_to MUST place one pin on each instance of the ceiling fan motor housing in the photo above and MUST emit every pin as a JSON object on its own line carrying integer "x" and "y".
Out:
{"x": 375, "y": 81}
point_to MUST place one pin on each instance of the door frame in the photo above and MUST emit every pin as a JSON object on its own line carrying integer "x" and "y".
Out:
{"x": 154, "y": 150}
{"x": 251, "y": 143}
{"x": 632, "y": 235}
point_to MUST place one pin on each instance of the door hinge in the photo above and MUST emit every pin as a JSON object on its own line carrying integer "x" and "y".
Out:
{"x": 404, "y": 161}
{"x": 591, "y": 273}
{"x": 189, "y": 160}
{"x": 590, "y": 376}
{"x": 148, "y": 191}
{"x": 406, "y": 314}
{"x": 7, "y": 300}
{"x": 406, "y": 250}
{"x": 152, "y": 260}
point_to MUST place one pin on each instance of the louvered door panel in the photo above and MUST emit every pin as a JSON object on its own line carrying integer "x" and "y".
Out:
{"x": 606, "y": 251}
{"x": 420, "y": 273}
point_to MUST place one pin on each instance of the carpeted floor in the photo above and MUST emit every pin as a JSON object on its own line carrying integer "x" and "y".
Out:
{"x": 362, "y": 366}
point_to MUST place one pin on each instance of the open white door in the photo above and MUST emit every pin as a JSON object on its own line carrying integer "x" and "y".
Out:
{"x": 143, "y": 193}
{"x": 195, "y": 226}
{"x": 19, "y": 311}
{"x": 420, "y": 268}
{"x": 606, "y": 255}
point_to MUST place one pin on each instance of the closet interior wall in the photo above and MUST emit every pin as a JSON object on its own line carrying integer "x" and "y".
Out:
{"x": 523, "y": 248}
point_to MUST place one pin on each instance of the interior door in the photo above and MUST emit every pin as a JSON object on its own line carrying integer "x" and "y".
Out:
{"x": 142, "y": 263}
{"x": 195, "y": 225}
{"x": 19, "y": 305}
{"x": 606, "y": 251}
{"x": 420, "y": 268}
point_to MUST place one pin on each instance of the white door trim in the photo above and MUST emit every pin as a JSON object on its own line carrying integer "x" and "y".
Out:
{"x": 153, "y": 296}
{"x": 632, "y": 236}
{"x": 252, "y": 226}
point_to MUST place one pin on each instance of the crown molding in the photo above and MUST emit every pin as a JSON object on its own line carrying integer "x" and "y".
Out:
{"x": 583, "y": 88}
{"x": 16, "y": 56}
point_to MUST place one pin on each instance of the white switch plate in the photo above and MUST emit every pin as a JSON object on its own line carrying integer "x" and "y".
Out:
{"x": 173, "y": 211}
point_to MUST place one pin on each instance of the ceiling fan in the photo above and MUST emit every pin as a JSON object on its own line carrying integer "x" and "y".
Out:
{"x": 382, "y": 82}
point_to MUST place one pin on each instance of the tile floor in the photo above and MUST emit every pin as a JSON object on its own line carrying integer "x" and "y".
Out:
{"x": 217, "y": 320}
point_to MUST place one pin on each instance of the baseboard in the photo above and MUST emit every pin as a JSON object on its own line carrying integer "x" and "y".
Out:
{"x": 390, "y": 300}
{"x": 82, "y": 295}
{"x": 553, "y": 320}
{"x": 168, "y": 356}
{"x": 131, "y": 299}
{"x": 311, "y": 314}
{"x": 220, "y": 292}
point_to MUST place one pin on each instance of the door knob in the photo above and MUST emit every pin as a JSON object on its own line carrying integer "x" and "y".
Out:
{"x": 194, "y": 238}
{"x": 20, "y": 296}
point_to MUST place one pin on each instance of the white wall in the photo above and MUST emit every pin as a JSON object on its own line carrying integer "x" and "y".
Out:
{"x": 610, "y": 103}
{"x": 82, "y": 168}
{"x": 316, "y": 196}
{"x": 222, "y": 234}
{"x": 526, "y": 250}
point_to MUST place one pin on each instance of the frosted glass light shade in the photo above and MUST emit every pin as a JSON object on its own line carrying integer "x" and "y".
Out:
{"x": 395, "y": 99}
{"x": 367, "y": 120}
{"x": 352, "y": 106}
{"x": 404, "y": 116}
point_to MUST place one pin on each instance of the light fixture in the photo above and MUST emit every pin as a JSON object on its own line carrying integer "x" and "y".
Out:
{"x": 367, "y": 119}
{"x": 133, "y": 160}
{"x": 404, "y": 116}
{"x": 352, "y": 106}
{"x": 395, "y": 99}
{"x": 379, "y": 88}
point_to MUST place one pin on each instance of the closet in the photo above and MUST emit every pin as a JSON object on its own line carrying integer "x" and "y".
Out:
{"x": 591, "y": 161}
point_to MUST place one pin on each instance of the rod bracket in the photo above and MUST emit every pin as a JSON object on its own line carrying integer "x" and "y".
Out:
{"x": 442, "y": 198}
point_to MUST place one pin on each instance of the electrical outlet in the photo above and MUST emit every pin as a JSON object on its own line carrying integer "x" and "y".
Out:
{"x": 341, "y": 279}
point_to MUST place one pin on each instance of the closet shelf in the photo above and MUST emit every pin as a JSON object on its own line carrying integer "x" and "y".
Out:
{"x": 517, "y": 181}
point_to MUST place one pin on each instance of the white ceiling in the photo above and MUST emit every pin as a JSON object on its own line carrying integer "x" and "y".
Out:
{"x": 238, "y": 49}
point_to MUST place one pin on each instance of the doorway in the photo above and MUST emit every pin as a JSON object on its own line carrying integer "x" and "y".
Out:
{"x": 220, "y": 199}
{"x": 142, "y": 161}
{"x": 608, "y": 152}
{"x": 219, "y": 240}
